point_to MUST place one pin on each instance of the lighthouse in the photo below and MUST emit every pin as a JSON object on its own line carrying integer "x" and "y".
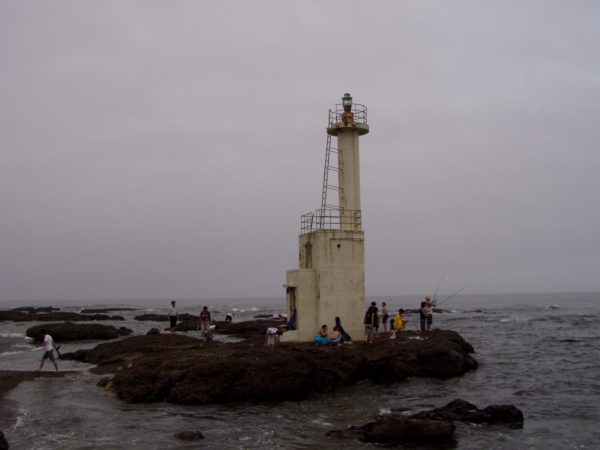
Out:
{"x": 329, "y": 282}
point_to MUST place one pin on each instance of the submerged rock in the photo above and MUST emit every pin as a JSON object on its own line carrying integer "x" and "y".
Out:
{"x": 429, "y": 427}
{"x": 464, "y": 411}
{"x": 189, "y": 435}
{"x": 400, "y": 430}
{"x": 186, "y": 370}
{"x": 3, "y": 442}
{"x": 68, "y": 331}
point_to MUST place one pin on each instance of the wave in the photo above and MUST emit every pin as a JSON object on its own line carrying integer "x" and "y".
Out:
{"x": 12, "y": 335}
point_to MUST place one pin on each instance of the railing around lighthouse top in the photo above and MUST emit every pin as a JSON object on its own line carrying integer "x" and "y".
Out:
{"x": 330, "y": 219}
{"x": 359, "y": 113}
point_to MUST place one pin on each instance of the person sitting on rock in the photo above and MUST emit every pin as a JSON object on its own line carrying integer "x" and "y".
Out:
{"x": 336, "y": 337}
{"x": 321, "y": 339}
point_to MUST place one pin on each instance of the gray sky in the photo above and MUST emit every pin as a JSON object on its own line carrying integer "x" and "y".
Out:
{"x": 153, "y": 149}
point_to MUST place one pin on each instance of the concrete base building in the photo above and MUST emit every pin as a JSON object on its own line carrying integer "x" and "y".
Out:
{"x": 330, "y": 279}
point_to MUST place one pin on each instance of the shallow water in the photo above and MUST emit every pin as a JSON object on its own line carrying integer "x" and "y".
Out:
{"x": 538, "y": 352}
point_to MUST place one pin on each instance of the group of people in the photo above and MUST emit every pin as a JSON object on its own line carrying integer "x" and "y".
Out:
{"x": 392, "y": 327}
{"x": 397, "y": 323}
{"x": 323, "y": 338}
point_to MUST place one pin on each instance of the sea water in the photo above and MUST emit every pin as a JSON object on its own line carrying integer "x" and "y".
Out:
{"x": 539, "y": 352}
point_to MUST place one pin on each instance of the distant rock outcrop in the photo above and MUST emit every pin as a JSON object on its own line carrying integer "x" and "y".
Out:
{"x": 52, "y": 316}
{"x": 68, "y": 331}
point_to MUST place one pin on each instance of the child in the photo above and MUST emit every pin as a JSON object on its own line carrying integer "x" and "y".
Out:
{"x": 399, "y": 322}
{"x": 270, "y": 336}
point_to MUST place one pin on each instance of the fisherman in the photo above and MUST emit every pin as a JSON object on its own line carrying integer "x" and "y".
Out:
{"x": 423, "y": 319}
{"x": 49, "y": 347}
{"x": 429, "y": 314}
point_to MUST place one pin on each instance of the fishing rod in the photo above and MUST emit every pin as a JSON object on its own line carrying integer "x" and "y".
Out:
{"x": 452, "y": 295}
{"x": 442, "y": 279}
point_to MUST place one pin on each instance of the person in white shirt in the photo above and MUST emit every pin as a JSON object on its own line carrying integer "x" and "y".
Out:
{"x": 173, "y": 317}
{"x": 270, "y": 336}
{"x": 49, "y": 347}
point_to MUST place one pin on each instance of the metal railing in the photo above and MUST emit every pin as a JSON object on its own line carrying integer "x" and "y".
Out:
{"x": 330, "y": 219}
{"x": 359, "y": 111}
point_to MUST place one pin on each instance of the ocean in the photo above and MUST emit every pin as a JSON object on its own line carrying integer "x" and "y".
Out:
{"x": 539, "y": 352}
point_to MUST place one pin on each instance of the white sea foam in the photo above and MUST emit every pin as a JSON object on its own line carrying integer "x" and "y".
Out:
{"x": 12, "y": 335}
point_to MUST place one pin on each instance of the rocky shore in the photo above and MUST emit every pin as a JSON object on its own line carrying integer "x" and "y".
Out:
{"x": 185, "y": 370}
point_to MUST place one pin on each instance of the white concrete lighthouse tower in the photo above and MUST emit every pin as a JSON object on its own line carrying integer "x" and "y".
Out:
{"x": 330, "y": 280}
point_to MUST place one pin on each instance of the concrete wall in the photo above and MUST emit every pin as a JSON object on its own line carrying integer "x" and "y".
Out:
{"x": 330, "y": 283}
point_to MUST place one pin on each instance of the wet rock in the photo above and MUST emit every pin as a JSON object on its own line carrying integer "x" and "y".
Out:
{"x": 31, "y": 309}
{"x": 20, "y": 316}
{"x": 3, "y": 442}
{"x": 189, "y": 435}
{"x": 464, "y": 411}
{"x": 68, "y": 331}
{"x": 165, "y": 318}
{"x": 186, "y": 370}
{"x": 400, "y": 430}
{"x": 153, "y": 331}
{"x": 9, "y": 379}
{"x": 429, "y": 427}
{"x": 104, "y": 310}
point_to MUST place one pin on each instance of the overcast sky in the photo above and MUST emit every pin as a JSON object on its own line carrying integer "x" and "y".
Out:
{"x": 153, "y": 149}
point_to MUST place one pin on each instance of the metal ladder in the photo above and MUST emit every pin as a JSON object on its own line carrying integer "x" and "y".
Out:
{"x": 334, "y": 205}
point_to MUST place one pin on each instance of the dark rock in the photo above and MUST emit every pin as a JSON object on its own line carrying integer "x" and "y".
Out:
{"x": 3, "y": 442}
{"x": 263, "y": 316}
{"x": 20, "y": 316}
{"x": 165, "y": 318}
{"x": 10, "y": 379}
{"x": 31, "y": 309}
{"x": 68, "y": 331}
{"x": 186, "y": 370}
{"x": 400, "y": 430}
{"x": 466, "y": 412}
{"x": 189, "y": 435}
{"x": 153, "y": 331}
{"x": 429, "y": 427}
{"x": 104, "y": 310}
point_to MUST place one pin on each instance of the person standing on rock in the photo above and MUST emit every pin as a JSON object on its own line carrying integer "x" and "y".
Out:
{"x": 423, "y": 319}
{"x": 204, "y": 323}
{"x": 270, "y": 336}
{"x": 429, "y": 314}
{"x": 49, "y": 348}
{"x": 172, "y": 317}
{"x": 371, "y": 318}
{"x": 384, "y": 317}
